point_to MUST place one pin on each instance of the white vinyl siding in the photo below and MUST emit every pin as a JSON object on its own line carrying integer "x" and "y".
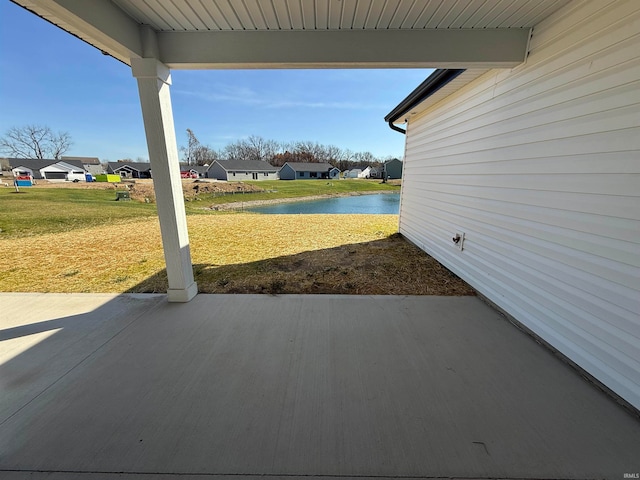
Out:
{"x": 539, "y": 166}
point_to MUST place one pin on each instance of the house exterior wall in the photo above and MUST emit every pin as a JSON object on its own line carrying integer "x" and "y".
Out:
{"x": 365, "y": 173}
{"x": 217, "y": 172}
{"x": 62, "y": 173}
{"x": 539, "y": 167}
{"x": 232, "y": 175}
{"x": 393, "y": 168}
{"x": 240, "y": 176}
{"x": 287, "y": 173}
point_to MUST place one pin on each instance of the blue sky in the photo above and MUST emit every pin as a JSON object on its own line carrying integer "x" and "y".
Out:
{"x": 49, "y": 77}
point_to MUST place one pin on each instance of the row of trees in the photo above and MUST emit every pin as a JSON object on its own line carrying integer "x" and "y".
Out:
{"x": 276, "y": 153}
{"x": 36, "y": 141}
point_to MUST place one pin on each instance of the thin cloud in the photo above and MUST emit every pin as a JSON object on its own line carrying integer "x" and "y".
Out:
{"x": 245, "y": 96}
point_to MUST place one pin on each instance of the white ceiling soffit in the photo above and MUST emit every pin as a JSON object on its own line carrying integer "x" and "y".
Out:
{"x": 306, "y": 33}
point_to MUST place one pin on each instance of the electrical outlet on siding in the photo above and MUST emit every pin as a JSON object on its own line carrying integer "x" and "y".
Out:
{"x": 458, "y": 240}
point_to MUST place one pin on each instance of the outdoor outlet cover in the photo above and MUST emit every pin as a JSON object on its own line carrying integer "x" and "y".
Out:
{"x": 458, "y": 240}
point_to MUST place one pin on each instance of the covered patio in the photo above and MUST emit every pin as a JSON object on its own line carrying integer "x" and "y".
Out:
{"x": 242, "y": 386}
{"x": 236, "y": 386}
{"x": 154, "y": 38}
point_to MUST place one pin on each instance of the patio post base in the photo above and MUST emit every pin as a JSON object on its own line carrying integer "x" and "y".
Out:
{"x": 182, "y": 295}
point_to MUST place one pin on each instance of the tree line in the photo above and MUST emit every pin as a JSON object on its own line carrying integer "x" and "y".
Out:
{"x": 276, "y": 153}
{"x": 36, "y": 141}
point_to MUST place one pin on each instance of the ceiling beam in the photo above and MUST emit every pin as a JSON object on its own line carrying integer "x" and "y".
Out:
{"x": 435, "y": 48}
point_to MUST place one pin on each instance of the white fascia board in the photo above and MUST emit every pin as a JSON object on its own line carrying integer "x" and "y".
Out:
{"x": 98, "y": 22}
{"x": 435, "y": 48}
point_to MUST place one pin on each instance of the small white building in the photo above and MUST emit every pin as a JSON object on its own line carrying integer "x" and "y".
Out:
{"x": 525, "y": 182}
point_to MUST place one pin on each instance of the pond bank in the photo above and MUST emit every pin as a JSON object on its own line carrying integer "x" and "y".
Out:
{"x": 274, "y": 201}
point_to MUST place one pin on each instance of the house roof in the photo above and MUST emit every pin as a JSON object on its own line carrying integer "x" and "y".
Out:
{"x": 247, "y": 165}
{"x": 74, "y": 163}
{"x": 83, "y": 160}
{"x": 310, "y": 167}
{"x": 31, "y": 163}
{"x": 36, "y": 164}
{"x": 139, "y": 166}
{"x": 259, "y": 33}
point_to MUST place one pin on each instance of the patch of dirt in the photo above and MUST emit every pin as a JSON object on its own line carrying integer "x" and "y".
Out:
{"x": 391, "y": 266}
{"x": 143, "y": 191}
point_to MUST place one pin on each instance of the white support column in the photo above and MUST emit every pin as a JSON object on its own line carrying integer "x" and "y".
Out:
{"x": 153, "y": 85}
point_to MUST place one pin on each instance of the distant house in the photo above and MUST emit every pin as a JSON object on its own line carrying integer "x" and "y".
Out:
{"x": 239, "y": 170}
{"x": 48, "y": 169}
{"x": 91, "y": 165}
{"x": 353, "y": 173}
{"x": 366, "y": 173}
{"x": 375, "y": 172}
{"x": 188, "y": 173}
{"x": 130, "y": 169}
{"x": 193, "y": 171}
{"x": 393, "y": 169}
{"x": 201, "y": 170}
{"x": 308, "y": 171}
{"x": 94, "y": 169}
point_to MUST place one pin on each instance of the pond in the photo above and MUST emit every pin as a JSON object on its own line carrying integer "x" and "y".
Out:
{"x": 379, "y": 203}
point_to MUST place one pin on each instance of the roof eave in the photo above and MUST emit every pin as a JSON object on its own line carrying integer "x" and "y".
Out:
{"x": 431, "y": 85}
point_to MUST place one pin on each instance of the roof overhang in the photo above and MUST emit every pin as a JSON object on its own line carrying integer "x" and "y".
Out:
{"x": 440, "y": 84}
{"x": 118, "y": 29}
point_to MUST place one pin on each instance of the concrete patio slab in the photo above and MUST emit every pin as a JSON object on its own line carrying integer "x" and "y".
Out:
{"x": 98, "y": 386}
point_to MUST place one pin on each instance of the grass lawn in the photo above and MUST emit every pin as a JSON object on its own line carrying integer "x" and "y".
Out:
{"x": 80, "y": 240}
{"x": 37, "y": 211}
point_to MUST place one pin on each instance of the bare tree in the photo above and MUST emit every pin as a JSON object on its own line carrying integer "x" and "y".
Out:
{"x": 204, "y": 155}
{"x": 190, "y": 149}
{"x": 197, "y": 154}
{"x": 35, "y": 141}
{"x": 252, "y": 148}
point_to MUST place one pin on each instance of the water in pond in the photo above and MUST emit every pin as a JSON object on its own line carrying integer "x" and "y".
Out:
{"x": 380, "y": 203}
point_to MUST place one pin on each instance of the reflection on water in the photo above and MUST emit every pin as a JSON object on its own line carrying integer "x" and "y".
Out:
{"x": 379, "y": 203}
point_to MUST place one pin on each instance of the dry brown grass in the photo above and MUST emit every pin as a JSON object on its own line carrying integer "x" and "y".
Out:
{"x": 239, "y": 253}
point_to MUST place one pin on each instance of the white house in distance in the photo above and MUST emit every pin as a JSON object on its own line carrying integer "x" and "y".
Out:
{"x": 48, "y": 169}
{"x": 308, "y": 171}
{"x": 353, "y": 173}
{"x": 525, "y": 182}
{"x": 239, "y": 170}
{"x": 366, "y": 173}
